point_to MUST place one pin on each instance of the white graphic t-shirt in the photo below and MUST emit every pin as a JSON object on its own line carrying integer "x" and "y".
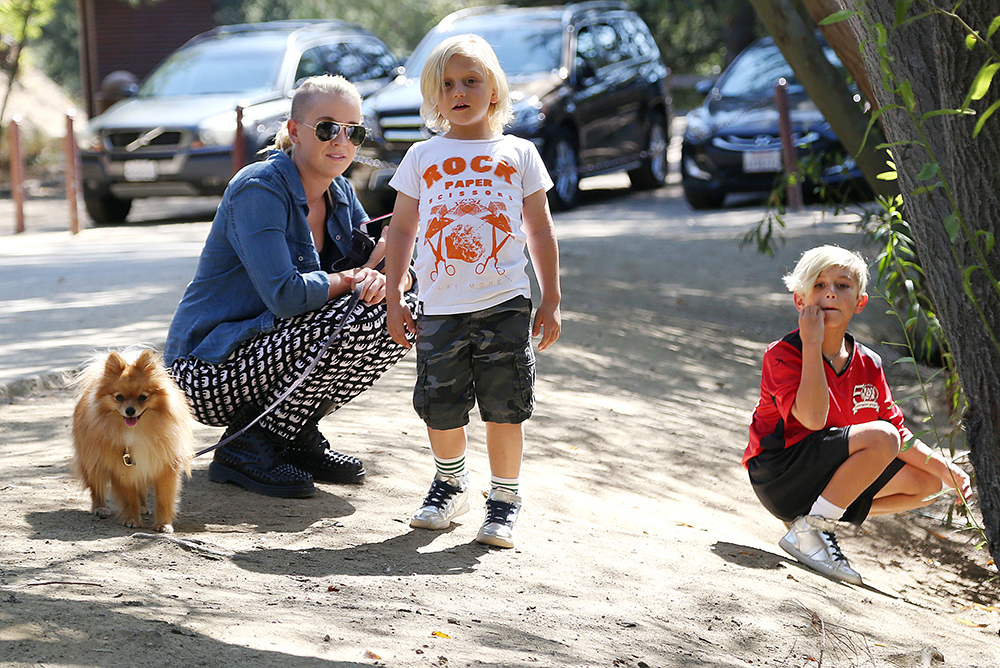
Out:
{"x": 470, "y": 241}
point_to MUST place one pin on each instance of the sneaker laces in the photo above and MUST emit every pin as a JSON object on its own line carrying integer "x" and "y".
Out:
{"x": 498, "y": 511}
{"x": 440, "y": 493}
{"x": 831, "y": 542}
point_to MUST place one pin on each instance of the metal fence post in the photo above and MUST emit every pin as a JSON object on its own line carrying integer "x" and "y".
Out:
{"x": 239, "y": 143}
{"x": 72, "y": 160}
{"x": 17, "y": 174}
{"x": 788, "y": 153}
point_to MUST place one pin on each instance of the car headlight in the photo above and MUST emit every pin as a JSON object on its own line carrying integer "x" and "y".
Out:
{"x": 697, "y": 129}
{"x": 219, "y": 130}
{"x": 91, "y": 141}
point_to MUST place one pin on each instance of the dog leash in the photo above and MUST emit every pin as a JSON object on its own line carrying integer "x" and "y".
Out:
{"x": 351, "y": 304}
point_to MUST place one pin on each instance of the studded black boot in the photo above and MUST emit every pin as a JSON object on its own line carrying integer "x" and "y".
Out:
{"x": 254, "y": 460}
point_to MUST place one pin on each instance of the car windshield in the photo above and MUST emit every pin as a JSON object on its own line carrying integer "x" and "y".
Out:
{"x": 202, "y": 70}
{"x": 527, "y": 50}
{"x": 754, "y": 73}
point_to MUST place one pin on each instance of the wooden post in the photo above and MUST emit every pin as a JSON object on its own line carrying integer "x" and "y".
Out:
{"x": 789, "y": 155}
{"x": 239, "y": 143}
{"x": 72, "y": 160}
{"x": 17, "y": 174}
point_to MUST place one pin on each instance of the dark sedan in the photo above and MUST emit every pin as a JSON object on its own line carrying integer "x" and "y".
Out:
{"x": 732, "y": 143}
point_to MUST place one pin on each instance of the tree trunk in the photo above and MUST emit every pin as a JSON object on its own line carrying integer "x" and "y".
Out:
{"x": 930, "y": 53}
{"x": 794, "y": 33}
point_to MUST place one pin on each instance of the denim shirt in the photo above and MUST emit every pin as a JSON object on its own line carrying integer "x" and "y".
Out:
{"x": 259, "y": 262}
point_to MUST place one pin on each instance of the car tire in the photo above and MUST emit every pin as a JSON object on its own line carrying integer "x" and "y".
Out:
{"x": 700, "y": 198}
{"x": 563, "y": 162}
{"x": 652, "y": 173}
{"x": 106, "y": 209}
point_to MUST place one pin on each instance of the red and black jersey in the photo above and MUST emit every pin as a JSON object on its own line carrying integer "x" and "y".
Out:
{"x": 858, "y": 394}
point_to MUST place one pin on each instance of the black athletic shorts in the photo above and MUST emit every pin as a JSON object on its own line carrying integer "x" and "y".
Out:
{"x": 789, "y": 481}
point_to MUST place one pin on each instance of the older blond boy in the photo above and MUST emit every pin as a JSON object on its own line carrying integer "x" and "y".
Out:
{"x": 826, "y": 438}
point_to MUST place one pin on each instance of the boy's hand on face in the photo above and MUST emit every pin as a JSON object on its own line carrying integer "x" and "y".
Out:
{"x": 811, "y": 324}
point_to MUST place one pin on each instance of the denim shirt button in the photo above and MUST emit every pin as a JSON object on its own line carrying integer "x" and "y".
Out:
{"x": 301, "y": 258}
{"x": 338, "y": 237}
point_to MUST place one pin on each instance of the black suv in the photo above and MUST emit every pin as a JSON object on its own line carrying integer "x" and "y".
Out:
{"x": 175, "y": 135}
{"x": 588, "y": 87}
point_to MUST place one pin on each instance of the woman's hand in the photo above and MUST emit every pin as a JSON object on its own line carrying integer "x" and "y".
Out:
{"x": 370, "y": 282}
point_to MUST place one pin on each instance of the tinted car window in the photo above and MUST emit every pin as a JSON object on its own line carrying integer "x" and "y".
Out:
{"x": 590, "y": 49}
{"x": 638, "y": 39}
{"x": 375, "y": 61}
{"x": 198, "y": 71}
{"x": 529, "y": 50}
{"x": 754, "y": 73}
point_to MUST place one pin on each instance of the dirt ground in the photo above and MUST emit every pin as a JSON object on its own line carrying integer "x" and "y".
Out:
{"x": 641, "y": 544}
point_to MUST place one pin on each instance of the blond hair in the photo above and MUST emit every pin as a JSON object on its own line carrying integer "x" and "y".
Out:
{"x": 432, "y": 80}
{"x": 302, "y": 99}
{"x": 817, "y": 260}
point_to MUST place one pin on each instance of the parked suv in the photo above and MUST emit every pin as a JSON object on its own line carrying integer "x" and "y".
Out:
{"x": 588, "y": 87}
{"x": 175, "y": 136}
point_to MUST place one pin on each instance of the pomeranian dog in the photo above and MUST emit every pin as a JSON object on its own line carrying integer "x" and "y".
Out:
{"x": 132, "y": 433}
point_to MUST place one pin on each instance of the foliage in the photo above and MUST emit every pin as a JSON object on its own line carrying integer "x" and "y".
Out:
{"x": 22, "y": 20}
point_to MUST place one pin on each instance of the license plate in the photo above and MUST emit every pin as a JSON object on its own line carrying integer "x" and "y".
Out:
{"x": 762, "y": 161}
{"x": 140, "y": 170}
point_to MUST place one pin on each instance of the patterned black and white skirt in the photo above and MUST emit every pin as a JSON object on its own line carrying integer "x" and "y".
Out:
{"x": 262, "y": 368}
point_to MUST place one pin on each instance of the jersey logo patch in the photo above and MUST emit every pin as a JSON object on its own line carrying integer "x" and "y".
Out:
{"x": 865, "y": 396}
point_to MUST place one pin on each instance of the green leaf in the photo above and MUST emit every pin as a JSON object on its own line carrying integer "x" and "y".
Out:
{"x": 904, "y": 360}
{"x": 951, "y": 226}
{"x": 967, "y": 282}
{"x": 881, "y": 36}
{"x": 982, "y": 119}
{"x": 887, "y": 176}
{"x": 928, "y": 171}
{"x": 994, "y": 25}
{"x": 837, "y": 17}
{"x": 981, "y": 84}
{"x": 946, "y": 112}
{"x": 902, "y": 6}
{"x": 970, "y": 42}
{"x": 907, "y": 92}
{"x": 990, "y": 240}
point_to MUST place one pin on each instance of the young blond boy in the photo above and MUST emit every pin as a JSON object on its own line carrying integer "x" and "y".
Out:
{"x": 826, "y": 440}
{"x": 475, "y": 199}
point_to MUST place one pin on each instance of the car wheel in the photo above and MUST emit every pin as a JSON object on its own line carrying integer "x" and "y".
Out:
{"x": 106, "y": 209}
{"x": 563, "y": 163}
{"x": 652, "y": 173}
{"x": 700, "y": 198}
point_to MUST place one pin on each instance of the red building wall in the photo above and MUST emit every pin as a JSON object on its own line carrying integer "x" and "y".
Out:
{"x": 115, "y": 35}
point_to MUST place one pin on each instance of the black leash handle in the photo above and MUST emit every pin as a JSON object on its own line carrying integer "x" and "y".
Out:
{"x": 351, "y": 304}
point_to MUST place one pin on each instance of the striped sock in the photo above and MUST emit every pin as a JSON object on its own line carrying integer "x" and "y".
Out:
{"x": 506, "y": 484}
{"x": 454, "y": 466}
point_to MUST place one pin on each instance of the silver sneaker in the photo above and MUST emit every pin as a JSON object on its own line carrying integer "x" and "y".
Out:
{"x": 447, "y": 498}
{"x": 502, "y": 508}
{"x": 811, "y": 541}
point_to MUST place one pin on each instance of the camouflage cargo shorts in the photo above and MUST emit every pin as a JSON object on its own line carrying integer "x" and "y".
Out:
{"x": 483, "y": 357}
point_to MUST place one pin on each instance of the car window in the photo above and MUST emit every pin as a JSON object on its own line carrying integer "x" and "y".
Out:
{"x": 205, "y": 70}
{"x": 528, "y": 50}
{"x": 376, "y": 61}
{"x": 590, "y": 48}
{"x": 636, "y": 39}
{"x": 324, "y": 59}
{"x": 755, "y": 72}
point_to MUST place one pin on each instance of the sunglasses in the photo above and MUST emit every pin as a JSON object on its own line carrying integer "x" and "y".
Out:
{"x": 327, "y": 130}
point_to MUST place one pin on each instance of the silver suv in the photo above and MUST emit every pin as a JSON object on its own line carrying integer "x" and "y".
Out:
{"x": 176, "y": 135}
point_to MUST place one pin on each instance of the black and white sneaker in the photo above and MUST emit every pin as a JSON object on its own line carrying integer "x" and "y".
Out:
{"x": 502, "y": 508}
{"x": 447, "y": 498}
